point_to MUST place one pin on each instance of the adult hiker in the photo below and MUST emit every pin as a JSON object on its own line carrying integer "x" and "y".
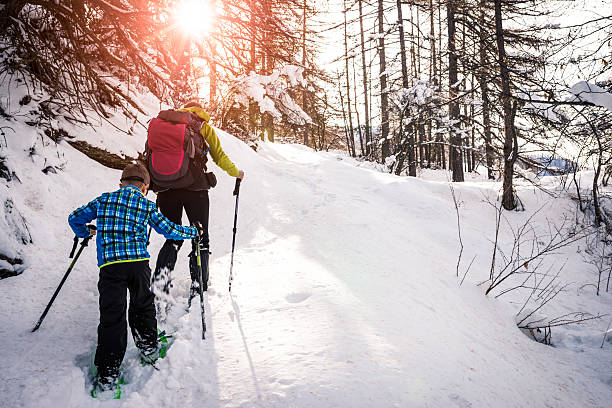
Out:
{"x": 122, "y": 219}
{"x": 190, "y": 195}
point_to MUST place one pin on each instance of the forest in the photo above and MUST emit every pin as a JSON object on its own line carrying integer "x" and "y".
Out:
{"x": 461, "y": 85}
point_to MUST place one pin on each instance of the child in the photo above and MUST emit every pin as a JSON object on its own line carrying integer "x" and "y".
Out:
{"x": 122, "y": 219}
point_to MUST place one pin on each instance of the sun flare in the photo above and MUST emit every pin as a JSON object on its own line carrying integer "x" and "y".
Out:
{"x": 194, "y": 17}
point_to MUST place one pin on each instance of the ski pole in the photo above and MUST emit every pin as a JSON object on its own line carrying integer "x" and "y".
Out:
{"x": 200, "y": 280}
{"x": 237, "y": 194}
{"x": 151, "y": 228}
{"x": 84, "y": 243}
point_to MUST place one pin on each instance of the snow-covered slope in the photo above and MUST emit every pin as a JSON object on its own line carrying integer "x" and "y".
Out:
{"x": 344, "y": 295}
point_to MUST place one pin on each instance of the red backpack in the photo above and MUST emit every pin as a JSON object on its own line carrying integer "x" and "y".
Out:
{"x": 175, "y": 152}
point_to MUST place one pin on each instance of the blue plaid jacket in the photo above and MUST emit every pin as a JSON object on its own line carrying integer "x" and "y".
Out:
{"x": 122, "y": 219}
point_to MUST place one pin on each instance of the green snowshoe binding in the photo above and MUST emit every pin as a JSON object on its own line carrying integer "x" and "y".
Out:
{"x": 106, "y": 390}
{"x": 163, "y": 344}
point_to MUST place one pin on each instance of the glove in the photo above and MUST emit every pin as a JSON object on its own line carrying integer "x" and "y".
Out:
{"x": 92, "y": 230}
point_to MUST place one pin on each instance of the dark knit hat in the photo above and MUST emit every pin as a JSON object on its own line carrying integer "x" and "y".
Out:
{"x": 135, "y": 172}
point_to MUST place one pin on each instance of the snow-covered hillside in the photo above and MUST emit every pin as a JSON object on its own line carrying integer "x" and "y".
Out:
{"x": 345, "y": 294}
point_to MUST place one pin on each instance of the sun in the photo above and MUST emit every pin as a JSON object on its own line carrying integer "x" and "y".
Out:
{"x": 194, "y": 17}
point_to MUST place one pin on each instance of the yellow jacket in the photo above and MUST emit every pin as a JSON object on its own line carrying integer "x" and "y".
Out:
{"x": 216, "y": 152}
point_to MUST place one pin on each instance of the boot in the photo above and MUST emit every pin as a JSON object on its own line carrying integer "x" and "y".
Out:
{"x": 107, "y": 385}
{"x": 151, "y": 355}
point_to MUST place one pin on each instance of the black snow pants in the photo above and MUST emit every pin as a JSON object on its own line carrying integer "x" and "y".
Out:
{"x": 171, "y": 204}
{"x": 115, "y": 280}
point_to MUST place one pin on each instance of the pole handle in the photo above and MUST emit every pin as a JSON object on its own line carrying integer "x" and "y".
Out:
{"x": 92, "y": 231}
{"x": 237, "y": 187}
{"x": 91, "y": 228}
{"x": 74, "y": 246}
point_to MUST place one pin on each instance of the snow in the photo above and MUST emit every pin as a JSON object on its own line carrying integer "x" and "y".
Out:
{"x": 345, "y": 293}
{"x": 420, "y": 93}
{"x": 585, "y": 91}
{"x": 377, "y": 36}
{"x": 546, "y": 110}
{"x": 270, "y": 92}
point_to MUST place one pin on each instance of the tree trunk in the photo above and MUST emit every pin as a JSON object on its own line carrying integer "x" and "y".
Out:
{"x": 253, "y": 110}
{"x": 267, "y": 120}
{"x": 440, "y": 43}
{"x": 433, "y": 78}
{"x": 599, "y": 215}
{"x": 421, "y": 131}
{"x": 384, "y": 104}
{"x": 418, "y": 40}
{"x": 357, "y": 109}
{"x": 212, "y": 64}
{"x": 348, "y": 86}
{"x": 510, "y": 139}
{"x": 416, "y": 135}
{"x": 304, "y": 96}
{"x": 432, "y": 43}
{"x": 346, "y": 132}
{"x": 484, "y": 90}
{"x": 400, "y": 24}
{"x": 405, "y": 84}
{"x": 456, "y": 161}
{"x": 368, "y": 135}
{"x": 468, "y": 123}
{"x": 413, "y": 58}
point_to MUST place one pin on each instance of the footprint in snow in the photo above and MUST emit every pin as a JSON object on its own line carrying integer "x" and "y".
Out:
{"x": 460, "y": 401}
{"x": 297, "y": 297}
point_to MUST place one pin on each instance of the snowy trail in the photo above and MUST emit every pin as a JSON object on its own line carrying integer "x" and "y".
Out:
{"x": 344, "y": 295}
{"x": 307, "y": 316}
{"x": 330, "y": 308}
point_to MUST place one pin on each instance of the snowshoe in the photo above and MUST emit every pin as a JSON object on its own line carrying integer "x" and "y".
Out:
{"x": 104, "y": 389}
{"x": 163, "y": 344}
{"x": 107, "y": 387}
